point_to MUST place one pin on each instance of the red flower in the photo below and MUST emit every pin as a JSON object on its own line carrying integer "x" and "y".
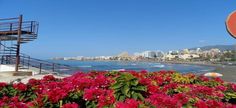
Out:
{"x": 70, "y": 105}
{"x": 49, "y": 78}
{"x": 201, "y": 104}
{"x": 183, "y": 98}
{"x": 153, "y": 89}
{"x": 129, "y": 103}
{"x": 33, "y": 82}
{"x": 92, "y": 93}
{"x": 17, "y": 105}
{"x": 56, "y": 94}
{"x": 221, "y": 88}
{"x": 2, "y": 84}
{"x": 15, "y": 99}
{"x": 107, "y": 98}
{"x": 164, "y": 101}
{"x": 214, "y": 104}
{"x": 145, "y": 81}
{"x": 217, "y": 79}
{"x": 20, "y": 86}
{"x": 233, "y": 86}
{"x": 203, "y": 78}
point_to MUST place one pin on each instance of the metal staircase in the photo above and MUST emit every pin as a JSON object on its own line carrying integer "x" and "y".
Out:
{"x": 13, "y": 33}
{"x": 19, "y": 31}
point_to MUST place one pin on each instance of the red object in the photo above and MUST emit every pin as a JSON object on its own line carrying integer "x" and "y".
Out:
{"x": 231, "y": 24}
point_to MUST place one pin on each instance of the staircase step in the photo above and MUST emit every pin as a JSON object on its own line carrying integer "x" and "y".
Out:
{"x": 1, "y": 53}
{"x": 29, "y": 37}
{"x": 23, "y": 42}
{"x": 32, "y": 35}
{"x": 26, "y": 40}
{"x": 9, "y": 50}
{"x": 12, "y": 47}
{"x": 23, "y": 68}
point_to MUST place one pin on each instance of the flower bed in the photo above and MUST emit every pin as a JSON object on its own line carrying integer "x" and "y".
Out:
{"x": 120, "y": 90}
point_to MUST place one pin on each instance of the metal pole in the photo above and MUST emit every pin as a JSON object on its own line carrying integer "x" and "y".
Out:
{"x": 40, "y": 68}
{"x": 18, "y": 44}
{"x": 2, "y": 59}
{"x": 28, "y": 61}
{"x": 53, "y": 67}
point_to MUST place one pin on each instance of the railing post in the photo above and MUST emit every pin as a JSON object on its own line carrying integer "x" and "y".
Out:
{"x": 10, "y": 26}
{"x": 40, "y": 68}
{"x": 31, "y": 27}
{"x": 28, "y": 62}
{"x": 2, "y": 60}
{"x": 23, "y": 61}
{"x": 53, "y": 67}
{"x": 18, "y": 44}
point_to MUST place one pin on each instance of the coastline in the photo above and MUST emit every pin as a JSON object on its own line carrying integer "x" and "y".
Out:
{"x": 228, "y": 71}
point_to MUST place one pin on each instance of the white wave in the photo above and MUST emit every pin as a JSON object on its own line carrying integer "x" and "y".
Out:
{"x": 159, "y": 66}
{"x": 85, "y": 66}
{"x": 133, "y": 64}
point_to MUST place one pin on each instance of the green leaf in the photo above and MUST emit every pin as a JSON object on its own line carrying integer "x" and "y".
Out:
{"x": 121, "y": 98}
{"x": 140, "y": 96}
{"x": 116, "y": 86}
{"x": 117, "y": 95}
{"x": 134, "y": 82}
{"x": 139, "y": 88}
{"x": 45, "y": 99}
{"x": 125, "y": 90}
{"x": 135, "y": 96}
{"x": 21, "y": 97}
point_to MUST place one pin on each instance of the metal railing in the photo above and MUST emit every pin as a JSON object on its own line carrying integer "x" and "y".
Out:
{"x": 27, "y": 26}
{"x": 7, "y": 56}
{"x": 43, "y": 66}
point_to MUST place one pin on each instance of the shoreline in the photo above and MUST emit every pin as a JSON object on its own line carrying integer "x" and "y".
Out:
{"x": 228, "y": 71}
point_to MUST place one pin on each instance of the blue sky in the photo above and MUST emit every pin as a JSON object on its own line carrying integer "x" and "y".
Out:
{"x": 108, "y": 27}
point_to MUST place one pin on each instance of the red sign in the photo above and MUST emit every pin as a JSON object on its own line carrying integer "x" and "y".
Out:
{"x": 231, "y": 24}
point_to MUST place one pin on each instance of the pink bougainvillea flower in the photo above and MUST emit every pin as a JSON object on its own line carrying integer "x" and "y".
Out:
{"x": 92, "y": 94}
{"x": 129, "y": 103}
{"x": 49, "y": 78}
{"x": 233, "y": 86}
{"x": 70, "y": 105}
{"x": 2, "y": 84}
{"x": 56, "y": 94}
{"x": 20, "y": 86}
{"x": 106, "y": 98}
{"x": 201, "y": 104}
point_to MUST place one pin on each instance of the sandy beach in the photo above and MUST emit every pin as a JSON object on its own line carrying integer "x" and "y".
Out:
{"x": 229, "y": 72}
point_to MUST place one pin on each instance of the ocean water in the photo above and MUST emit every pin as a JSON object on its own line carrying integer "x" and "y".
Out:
{"x": 87, "y": 66}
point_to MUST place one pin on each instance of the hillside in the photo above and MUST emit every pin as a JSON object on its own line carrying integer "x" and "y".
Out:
{"x": 221, "y": 47}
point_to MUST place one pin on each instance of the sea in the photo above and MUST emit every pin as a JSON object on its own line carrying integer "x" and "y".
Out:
{"x": 86, "y": 66}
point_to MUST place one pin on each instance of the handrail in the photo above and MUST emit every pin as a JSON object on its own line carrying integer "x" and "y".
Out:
{"x": 10, "y": 49}
{"x": 42, "y": 64}
{"x": 2, "y": 19}
{"x": 31, "y": 26}
{"x": 27, "y": 61}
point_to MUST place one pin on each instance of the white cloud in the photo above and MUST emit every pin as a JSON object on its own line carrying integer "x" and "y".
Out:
{"x": 202, "y": 41}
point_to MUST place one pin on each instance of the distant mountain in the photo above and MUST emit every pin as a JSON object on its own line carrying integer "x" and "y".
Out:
{"x": 221, "y": 47}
